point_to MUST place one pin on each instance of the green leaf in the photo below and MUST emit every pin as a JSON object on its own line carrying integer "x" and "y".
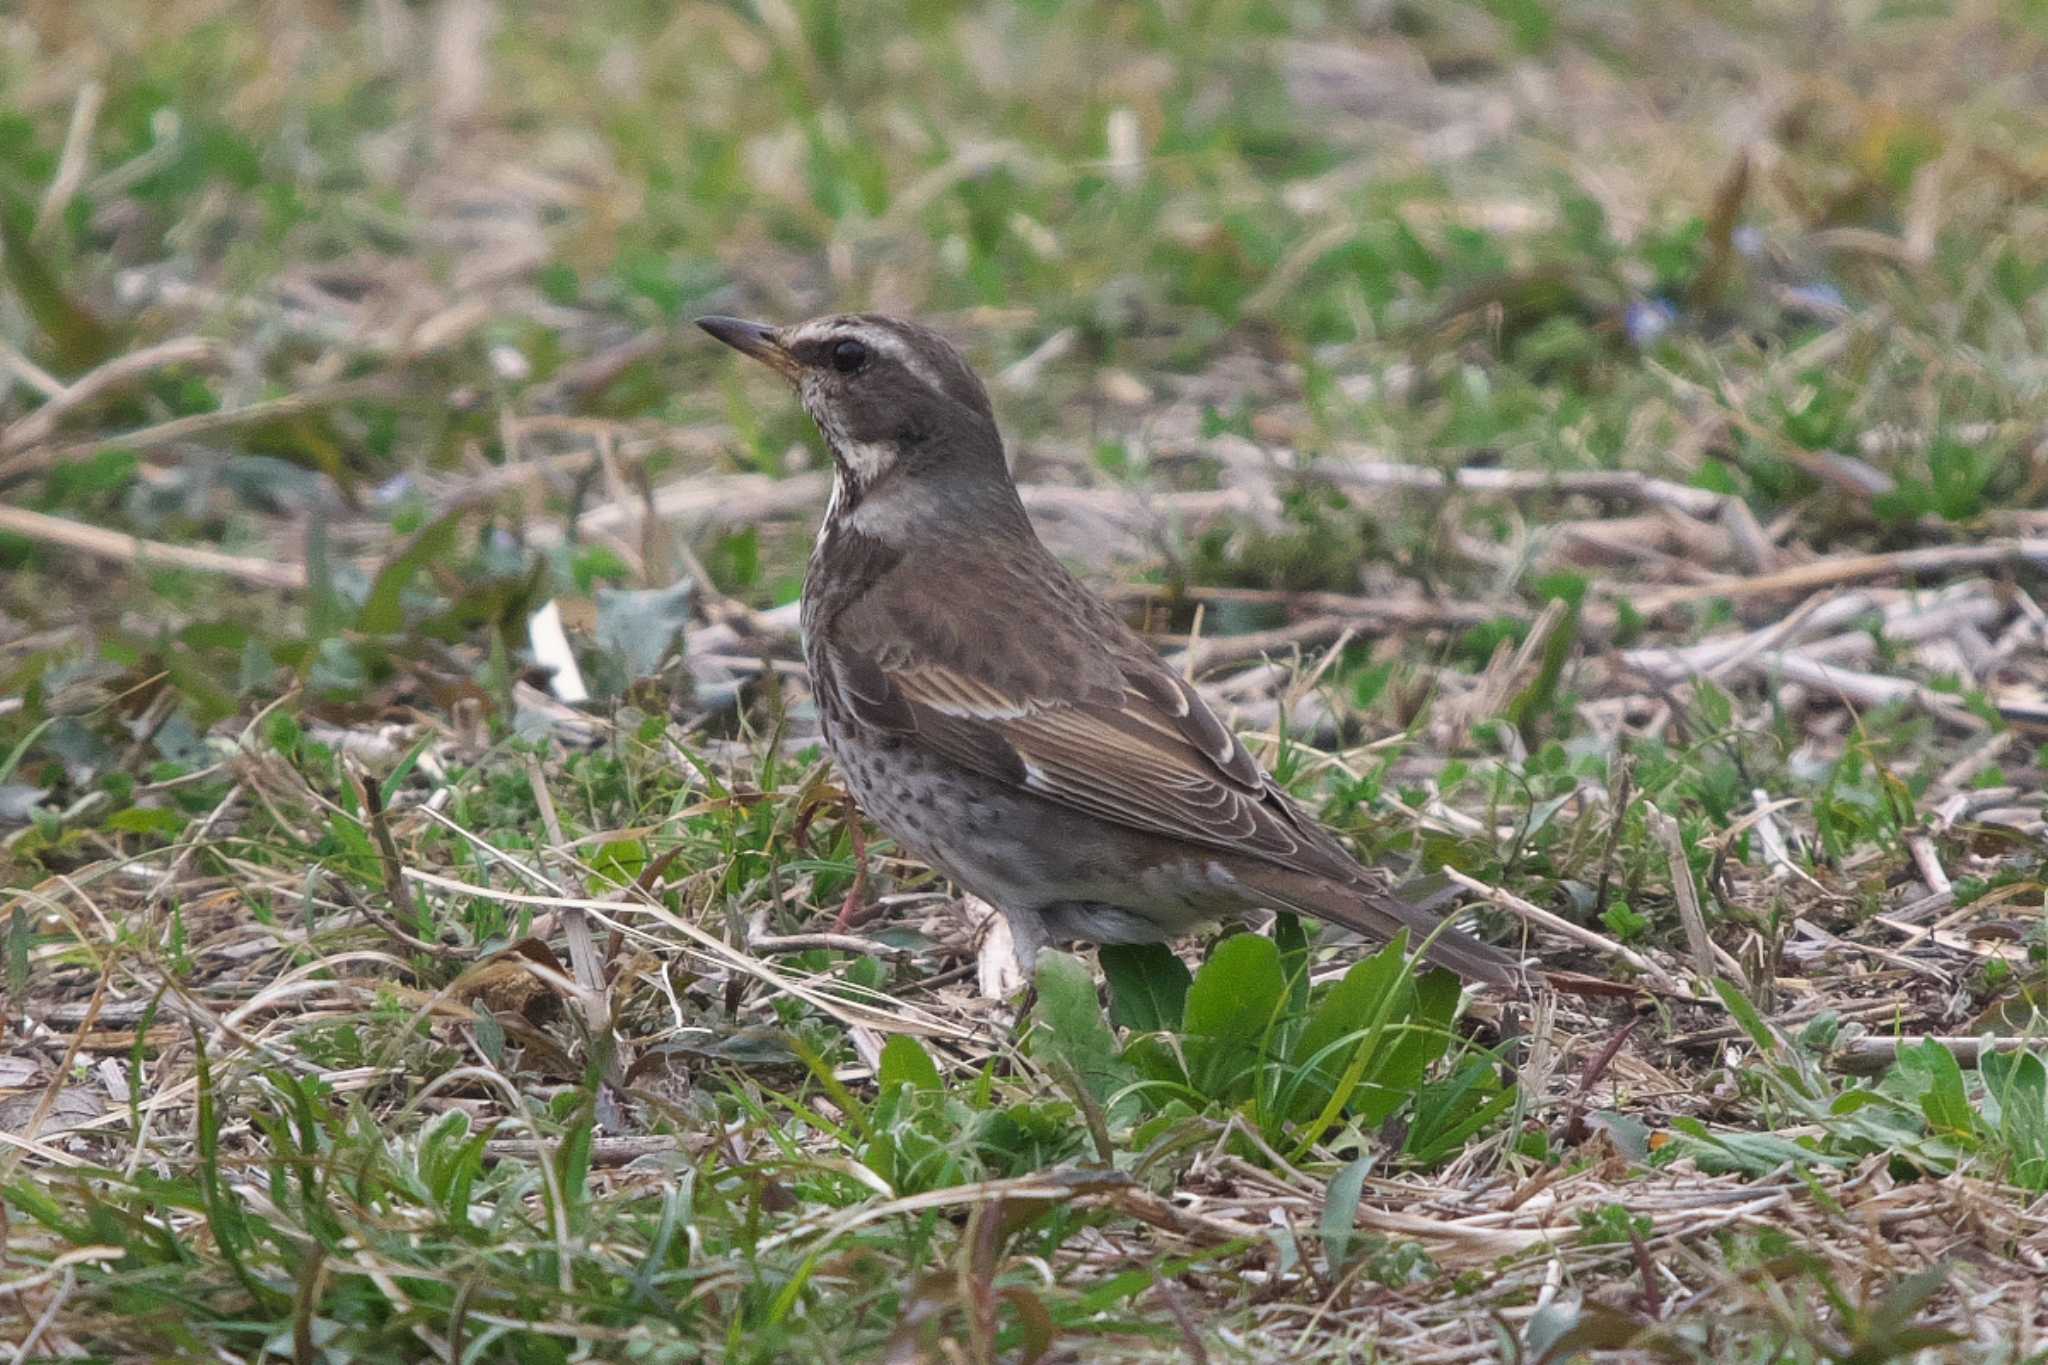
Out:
{"x": 1563, "y": 1330}
{"x": 1717, "y": 710}
{"x": 1231, "y": 1007}
{"x": 1450, "y": 1111}
{"x": 1071, "y": 1024}
{"x": 388, "y": 788}
{"x": 1153, "y": 1059}
{"x": 617, "y": 863}
{"x": 1355, "y": 1009}
{"x": 2016, "y": 1084}
{"x": 490, "y": 1037}
{"x": 1939, "y": 1082}
{"x": 227, "y": 1218}
{"x": 383, "y": 610}
{"x": 905, "y": 1062}
{"x": 572, "y": 1156}
{"x": 1629, "y": 1134}
{"x": 1148, "y": 986}
{"x": 1750, "y": 1154}
{"x": 21, "y": 748}
{"x": 1751, "y": 1022}
{"x": 1340, "y": 1214}
{"x": 1894, "y": 1313}
{"x": 1418, "y": 1042}
{"x": 1528, "y": 709}
{"x": 147, "y": 820}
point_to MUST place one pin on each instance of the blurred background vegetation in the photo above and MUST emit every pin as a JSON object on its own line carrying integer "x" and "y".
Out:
{"x": 370, "y": 320}
{"x": 1787, "y": 252}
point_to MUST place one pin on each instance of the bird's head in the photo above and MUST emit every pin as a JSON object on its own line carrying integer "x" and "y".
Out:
{"x": 894, "y": 400}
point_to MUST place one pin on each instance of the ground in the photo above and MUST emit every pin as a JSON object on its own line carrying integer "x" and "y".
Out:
{"x": 1591, "y": 451}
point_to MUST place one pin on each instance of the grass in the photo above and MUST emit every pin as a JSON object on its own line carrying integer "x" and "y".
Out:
{"x": 1500, "y": 402}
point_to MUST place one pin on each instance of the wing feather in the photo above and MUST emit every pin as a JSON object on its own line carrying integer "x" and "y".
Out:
{"x": 1155, "y": 758}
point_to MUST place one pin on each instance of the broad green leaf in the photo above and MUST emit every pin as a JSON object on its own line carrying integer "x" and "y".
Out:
{"x": 905, "y": 1062}
{"x": 1231, "y": 1007}
{"x": 1154, "y": 1059}
{"x": 1148, "y": 986}
{"x": 1350, "y": 1017}
{"x": 1940, "y": 1086}
{"x": 490, "y": 1037}
{"x": 1527, "y": 710}
{"x": 617, "y": 863}
{"x": 1071, "y": 1024}
{"x": 147, "y": 820}
{"x": 1629, "y": 1134}
{"x": 1565, "y": 1329}
{"x": 1893, "y": 1316}
{"x": 572, "y": 1155}
{"x": 1355, "y": 1000}
{"x": 325, "y": 610}
{"x": 20, "y": 939}
{"x": 1418, "y": 1041}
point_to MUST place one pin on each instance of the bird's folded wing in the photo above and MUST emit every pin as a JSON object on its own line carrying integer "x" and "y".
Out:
{"x": 1151, "y": 756}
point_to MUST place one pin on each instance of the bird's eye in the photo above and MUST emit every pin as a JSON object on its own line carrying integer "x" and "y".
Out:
{"x": 849, "y": 355}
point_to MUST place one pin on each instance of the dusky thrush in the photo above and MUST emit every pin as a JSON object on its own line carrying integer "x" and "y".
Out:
{"x": 1000, "y": 720}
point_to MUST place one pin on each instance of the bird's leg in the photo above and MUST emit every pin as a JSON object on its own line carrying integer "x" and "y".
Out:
{"x": 855, "y": 909}
{"x": 1028, "y": 934}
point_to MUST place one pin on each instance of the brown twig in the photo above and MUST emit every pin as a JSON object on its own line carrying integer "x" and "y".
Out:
{"x": 30, "y": 459}
{"x": 1874, "y": 1054}
{"x": 769, "y": 944}
{"x": 583, "y": 961}
{"x": 1384, "y": 613}
{"x": 118, "y": 547}
{"x": 1557, "y": 924}
{"x": 372, "y": 796}
{"x": 115, "y": 374}
{"x": 1229, "y": 649}
{"x": 1596, "y": 1067}
{"x": 73, "y": 162}
{"x": 1617, "y": 484}
{"x": 1823, "y": 573}
{"x": 1687, "y": 894}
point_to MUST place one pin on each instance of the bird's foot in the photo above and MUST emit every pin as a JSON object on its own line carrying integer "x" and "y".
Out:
{"x": 855, "y": 911}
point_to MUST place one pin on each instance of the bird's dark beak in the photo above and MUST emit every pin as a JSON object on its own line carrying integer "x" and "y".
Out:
{"x": 756, "y": 339}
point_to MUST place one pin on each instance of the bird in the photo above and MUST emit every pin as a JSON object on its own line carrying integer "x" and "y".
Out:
{"x": 1001, "y": 721}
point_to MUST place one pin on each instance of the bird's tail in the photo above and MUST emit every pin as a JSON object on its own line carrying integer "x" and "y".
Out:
{"x": 1380, "y": 915}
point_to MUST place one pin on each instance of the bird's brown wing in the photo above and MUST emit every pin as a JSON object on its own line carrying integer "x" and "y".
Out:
{"x": 1131, "y": 743}
{"x": 1033, "y": 682}
{"x": 1153, "y": 758}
